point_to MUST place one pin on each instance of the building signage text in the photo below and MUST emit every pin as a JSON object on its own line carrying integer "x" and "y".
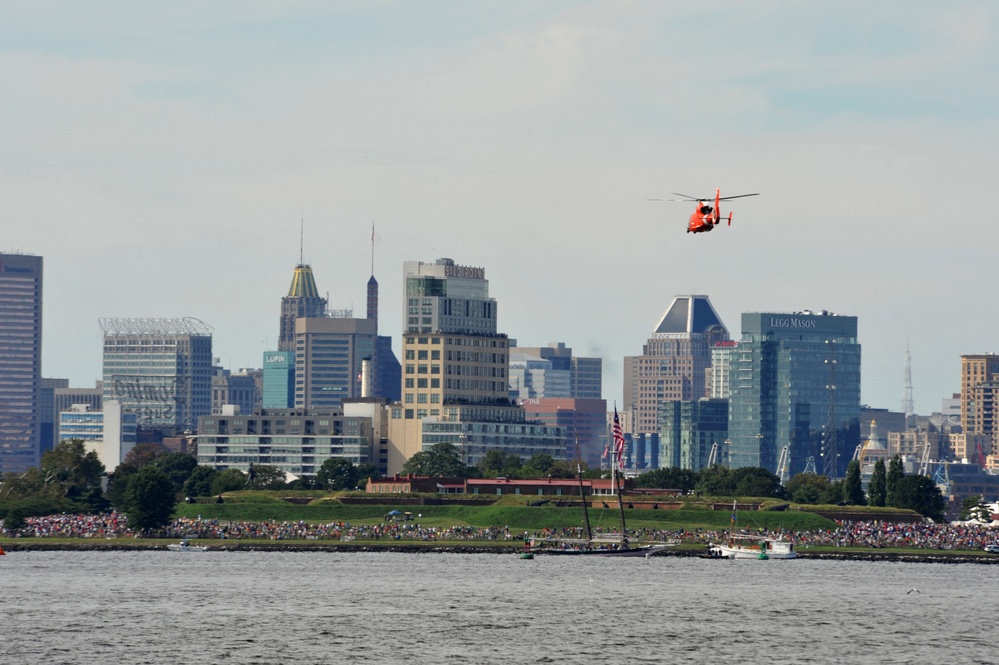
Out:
{"x": 791, "y": 322}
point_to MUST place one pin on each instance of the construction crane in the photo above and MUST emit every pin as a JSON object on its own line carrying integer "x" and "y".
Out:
{"x": 924, "y": 461}
{"x": 856, "y": 453}
{"x": 783, "y": 462}
{"x": 941, "y": 478}
{"x": 713, "y": 455}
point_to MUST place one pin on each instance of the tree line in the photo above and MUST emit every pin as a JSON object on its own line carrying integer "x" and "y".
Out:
{"x": 148, "y": 484}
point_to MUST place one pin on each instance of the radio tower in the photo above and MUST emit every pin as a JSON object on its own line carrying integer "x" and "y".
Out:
{"x": 907, "y": 407}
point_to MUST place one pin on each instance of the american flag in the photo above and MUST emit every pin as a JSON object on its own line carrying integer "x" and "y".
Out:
{"x": 618, "y": 440}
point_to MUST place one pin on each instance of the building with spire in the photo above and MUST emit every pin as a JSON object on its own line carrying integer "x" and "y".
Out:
{"x": 675, "y": 363}
{"x": 303, "y": 301}
{"x": 321, "y": 351}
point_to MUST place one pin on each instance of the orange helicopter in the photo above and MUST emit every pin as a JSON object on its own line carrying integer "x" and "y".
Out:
{"x": 706, "y": 217}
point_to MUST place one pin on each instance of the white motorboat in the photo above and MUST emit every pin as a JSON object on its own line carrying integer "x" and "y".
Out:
{"x": 749, "y": 546}
{"x": 753, "y": 547}
{"x": 186, "y": 546}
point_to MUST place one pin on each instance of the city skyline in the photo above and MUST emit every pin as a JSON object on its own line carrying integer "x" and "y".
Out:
{"x": 164, "y": 159}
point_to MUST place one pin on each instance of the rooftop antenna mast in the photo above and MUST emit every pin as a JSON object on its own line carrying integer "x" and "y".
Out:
{"x": 301, "y": 243}
{"x": 907, "y": 407}
{"x": 372, "y": 248}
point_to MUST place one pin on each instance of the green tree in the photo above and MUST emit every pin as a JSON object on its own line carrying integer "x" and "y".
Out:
{"x": 199, "y": 483}
{"x": 149, "y": 499}
{"x": 834, "y": 495}
{"x": 143, "y": 454}
{"x": 877, "y": 487}
{"x": 118, "y": 484}
{"x": 537, "y": 465}
{"x": 853, "y": 492}
{"x": 177, "y": 466}
{"x": 673, "y": 478}
{"x": 564, "y": 468}
{"x": 21, "y": 485}
{"x": 895, "y": 475}
{"x": 980, "y": 513}
{"x": 973, "y": 509}
{"x": 14, "y": 519}
{"x": 69, "y": 470}
{"x": 919, "y": 493}
{"x": 366, "y": 471}
{"x": 807, "y": 488}
{"x": 230, "y": 480}
{"x": 266, "y": 477}
{"x": 337, "y": 473}
{"x": 441, "y": 460}
{"x": 755, "y": 481}
{"x": 716, "y": 480}
{"x": 499, "y": 463}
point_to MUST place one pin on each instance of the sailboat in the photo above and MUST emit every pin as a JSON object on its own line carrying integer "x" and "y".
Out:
{"x": 613, "y": 546}
{"x": 749, "y": 546}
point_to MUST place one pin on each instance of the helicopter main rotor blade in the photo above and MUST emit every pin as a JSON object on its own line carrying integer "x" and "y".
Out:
{"x": 740, "y": 196}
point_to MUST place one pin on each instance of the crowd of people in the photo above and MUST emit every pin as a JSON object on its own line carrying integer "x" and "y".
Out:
{"x": 114, "y": 525}
{"x": 872, "y": 534}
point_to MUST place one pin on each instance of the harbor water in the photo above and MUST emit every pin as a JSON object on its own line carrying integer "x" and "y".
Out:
{"x": 255, "y": 607}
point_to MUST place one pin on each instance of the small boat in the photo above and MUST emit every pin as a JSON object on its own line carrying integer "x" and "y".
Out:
{"x": 752, "y": 547}
{"x": 186, "y": 546}
{"x": 748, "y": 546}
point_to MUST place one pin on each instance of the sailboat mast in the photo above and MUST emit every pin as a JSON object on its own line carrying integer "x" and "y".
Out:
{"x": 620, "y": 505}
{"x": 582, "y": 496}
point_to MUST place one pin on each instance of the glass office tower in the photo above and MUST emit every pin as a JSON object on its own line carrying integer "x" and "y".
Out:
{"x": 159, "y": 369}
{"x": 20, "y": 362}
{"x": 795, "y": 382}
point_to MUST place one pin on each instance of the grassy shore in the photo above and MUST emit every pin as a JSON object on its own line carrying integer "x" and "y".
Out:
{"x": 512, "y": 512}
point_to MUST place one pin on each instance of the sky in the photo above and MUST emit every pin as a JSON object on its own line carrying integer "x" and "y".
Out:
{"x": 165, "y": 158}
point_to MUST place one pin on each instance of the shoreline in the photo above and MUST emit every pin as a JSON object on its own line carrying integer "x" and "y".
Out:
{"x": 87, "y": 545}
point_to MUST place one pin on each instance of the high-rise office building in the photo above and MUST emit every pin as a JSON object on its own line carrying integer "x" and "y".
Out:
{"x": 49, "y": 417}
{"x": 560, "y": 389}
{"x": 303, "y": 301}
{"x": 20, "y": 362}
{"x": 159, "y": 369}
{"x": 980, "y": 403}
{"x": 455, "y": 384}
{"x": 690, "y": 430}
{"x": 243, "y": 389}
{"x": 327, "y": 350}
{"x": 328, "y": 359}
{"x": 571, "y": 376}
{"x": 675, "y": 361}
{"x": 279, "y": 380}
{"x": 795, "y": 382}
